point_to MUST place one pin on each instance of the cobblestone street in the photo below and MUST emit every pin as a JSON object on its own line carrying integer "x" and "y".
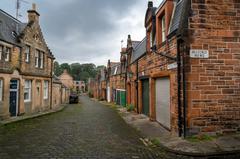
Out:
{"x": 86, "y": 130}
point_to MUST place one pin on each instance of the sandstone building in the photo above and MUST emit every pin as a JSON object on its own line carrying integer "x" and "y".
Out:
{"x": 25, "y": 66}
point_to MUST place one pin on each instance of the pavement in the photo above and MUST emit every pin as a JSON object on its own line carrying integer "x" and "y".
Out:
{"x": 31, "y": 116}
{"x": 227, "y": 146}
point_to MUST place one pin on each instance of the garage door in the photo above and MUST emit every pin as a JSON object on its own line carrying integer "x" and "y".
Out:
{"x": 145, "y": 97}
{"x": 163, "y": 101}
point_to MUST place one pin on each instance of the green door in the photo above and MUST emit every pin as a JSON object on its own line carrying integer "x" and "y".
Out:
{"x": 145, "y": 96}
{"x": 123, "y": 98}
{"x": 118, "y": 98}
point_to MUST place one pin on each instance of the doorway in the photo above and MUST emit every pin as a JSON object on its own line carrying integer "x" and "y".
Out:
{"x": 14, "y": 96}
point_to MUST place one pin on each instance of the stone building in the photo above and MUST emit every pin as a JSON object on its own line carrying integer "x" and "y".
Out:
{"x": 79, "y": 86}
{"x": 25, "y": 66}
{"x": 67, "y": 80}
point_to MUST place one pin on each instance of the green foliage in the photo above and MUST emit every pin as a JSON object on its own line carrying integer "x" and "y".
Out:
{"x": 201, "y": 137}
{"x": 130, "y": 107}
{"x": 79, "y": 72}
{"x": 156, "y": 141}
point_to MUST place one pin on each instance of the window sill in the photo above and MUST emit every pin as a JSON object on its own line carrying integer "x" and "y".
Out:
{"x": 27, "y": 101}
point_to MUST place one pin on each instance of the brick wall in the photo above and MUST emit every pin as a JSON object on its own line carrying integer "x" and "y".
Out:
{"x": 213, "y": 84}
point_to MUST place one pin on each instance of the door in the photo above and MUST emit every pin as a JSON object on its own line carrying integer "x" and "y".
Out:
{"x": 13, "y": 100}
{"x": 145, "y": 97}
{"x": 163, "y": 101}
{"x": 123, "y": 98}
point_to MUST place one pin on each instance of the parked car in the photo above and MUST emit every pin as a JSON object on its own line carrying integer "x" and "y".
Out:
{"x": 73, "y": 98}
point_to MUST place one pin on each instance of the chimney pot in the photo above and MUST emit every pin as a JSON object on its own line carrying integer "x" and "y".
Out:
{"x": 34, "y": 7}
{"x": 150, "y": 4}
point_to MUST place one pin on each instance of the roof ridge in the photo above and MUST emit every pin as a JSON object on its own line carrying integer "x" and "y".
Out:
{"x": 10, "y": 16}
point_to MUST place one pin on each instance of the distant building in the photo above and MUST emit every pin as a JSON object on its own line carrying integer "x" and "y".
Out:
{"x": 67, "y": 80}
{"x": 79, "y": 86}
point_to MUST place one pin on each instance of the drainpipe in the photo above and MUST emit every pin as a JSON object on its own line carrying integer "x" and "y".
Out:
{"x": 184, "y": 93}
{"x": 137, "y": 88}
{"x": 51, "y": 102}
{"x": 179, "y": 89}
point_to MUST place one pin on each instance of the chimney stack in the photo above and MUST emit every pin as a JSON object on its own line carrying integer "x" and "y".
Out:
{"x": 33, "y": 15}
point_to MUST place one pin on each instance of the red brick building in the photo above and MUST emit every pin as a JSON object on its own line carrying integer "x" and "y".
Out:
{"x": 185, "y": 74}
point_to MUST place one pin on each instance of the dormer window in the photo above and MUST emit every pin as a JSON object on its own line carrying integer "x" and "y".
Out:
{"x": 163, "y": 22}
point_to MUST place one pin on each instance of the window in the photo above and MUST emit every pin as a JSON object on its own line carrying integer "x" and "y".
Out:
{"x": 7, "y": 54}
{"x": 1, "y": 90}
{"x": 163, "y": 28}
{"x": 1, "y": 52}
{"x": 37, "y": 58}
{"x": 41, "y": 60}
{"x": 27, "y": 91}
{"x": 27, "y": 54}
{"x": 45, "y": 90}
{"x": 151, "y": 39}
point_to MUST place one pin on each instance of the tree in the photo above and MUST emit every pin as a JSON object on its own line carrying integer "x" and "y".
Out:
{"x": 76, "y": 70}
{"x": 57, "y": 69}
{"x": 66, "y": 66}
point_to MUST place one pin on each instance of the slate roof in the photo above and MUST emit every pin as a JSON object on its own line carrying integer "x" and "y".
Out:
{"x": 115, "y": 69}
{"x": 176, "y": 17}
{"x": 139, "y": 50}
{"x": 135, "y": 43}
{"x": 10, "y": 28}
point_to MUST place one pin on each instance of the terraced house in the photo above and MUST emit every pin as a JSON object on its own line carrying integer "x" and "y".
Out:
{"x": 25, "y": 66}
{"x": 185, "y": 73}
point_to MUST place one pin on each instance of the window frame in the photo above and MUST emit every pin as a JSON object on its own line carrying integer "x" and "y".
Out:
{"x": 45, "y": 89}
{"x": 37, "y": 58}
{"x": 1, "y": 90}
{"x": 7, "y": 54}
{"x": 41, "y": 59}
{"x": 27, "y": 54}
{"x": 1, "y": 51}
{"x": 163, "y": 27}
{"x": 28, "y": 89}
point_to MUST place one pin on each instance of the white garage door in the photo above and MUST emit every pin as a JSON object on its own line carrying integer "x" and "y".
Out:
{"x": 163, "y": 101}
{"x": 108, "y": 94}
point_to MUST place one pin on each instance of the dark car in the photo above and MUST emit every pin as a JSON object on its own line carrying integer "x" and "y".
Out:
{"x": 73, "y": 98}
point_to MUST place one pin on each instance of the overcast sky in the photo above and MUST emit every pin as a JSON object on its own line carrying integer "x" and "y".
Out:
{"x": 86, "y": 31}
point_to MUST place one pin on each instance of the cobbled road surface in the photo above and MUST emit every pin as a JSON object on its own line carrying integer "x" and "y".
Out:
{"x": 88, "y": 130}
{"x": 85, "y": 130}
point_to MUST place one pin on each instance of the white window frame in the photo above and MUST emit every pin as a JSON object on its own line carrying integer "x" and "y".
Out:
{"x": 163, "y": 22}
{"x": 41, "y": 59}
{"x": 151, "y": 38}
{"x": 45, "y": 89}
{"x": 28, "y": 89}
{"x": 37, "y": 58}
{"x": 1, "y": 52}
{"x": 7, "y": 54}
{"x": 27, "y": 53}
{"x": 1, "y": 90}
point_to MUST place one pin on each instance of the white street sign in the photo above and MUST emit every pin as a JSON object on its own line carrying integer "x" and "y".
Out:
{"x": 199, "y": 54}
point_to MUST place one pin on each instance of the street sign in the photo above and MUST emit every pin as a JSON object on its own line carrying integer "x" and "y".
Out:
{"x": 199, "y": 54}
{"x": 172, "y": 66}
